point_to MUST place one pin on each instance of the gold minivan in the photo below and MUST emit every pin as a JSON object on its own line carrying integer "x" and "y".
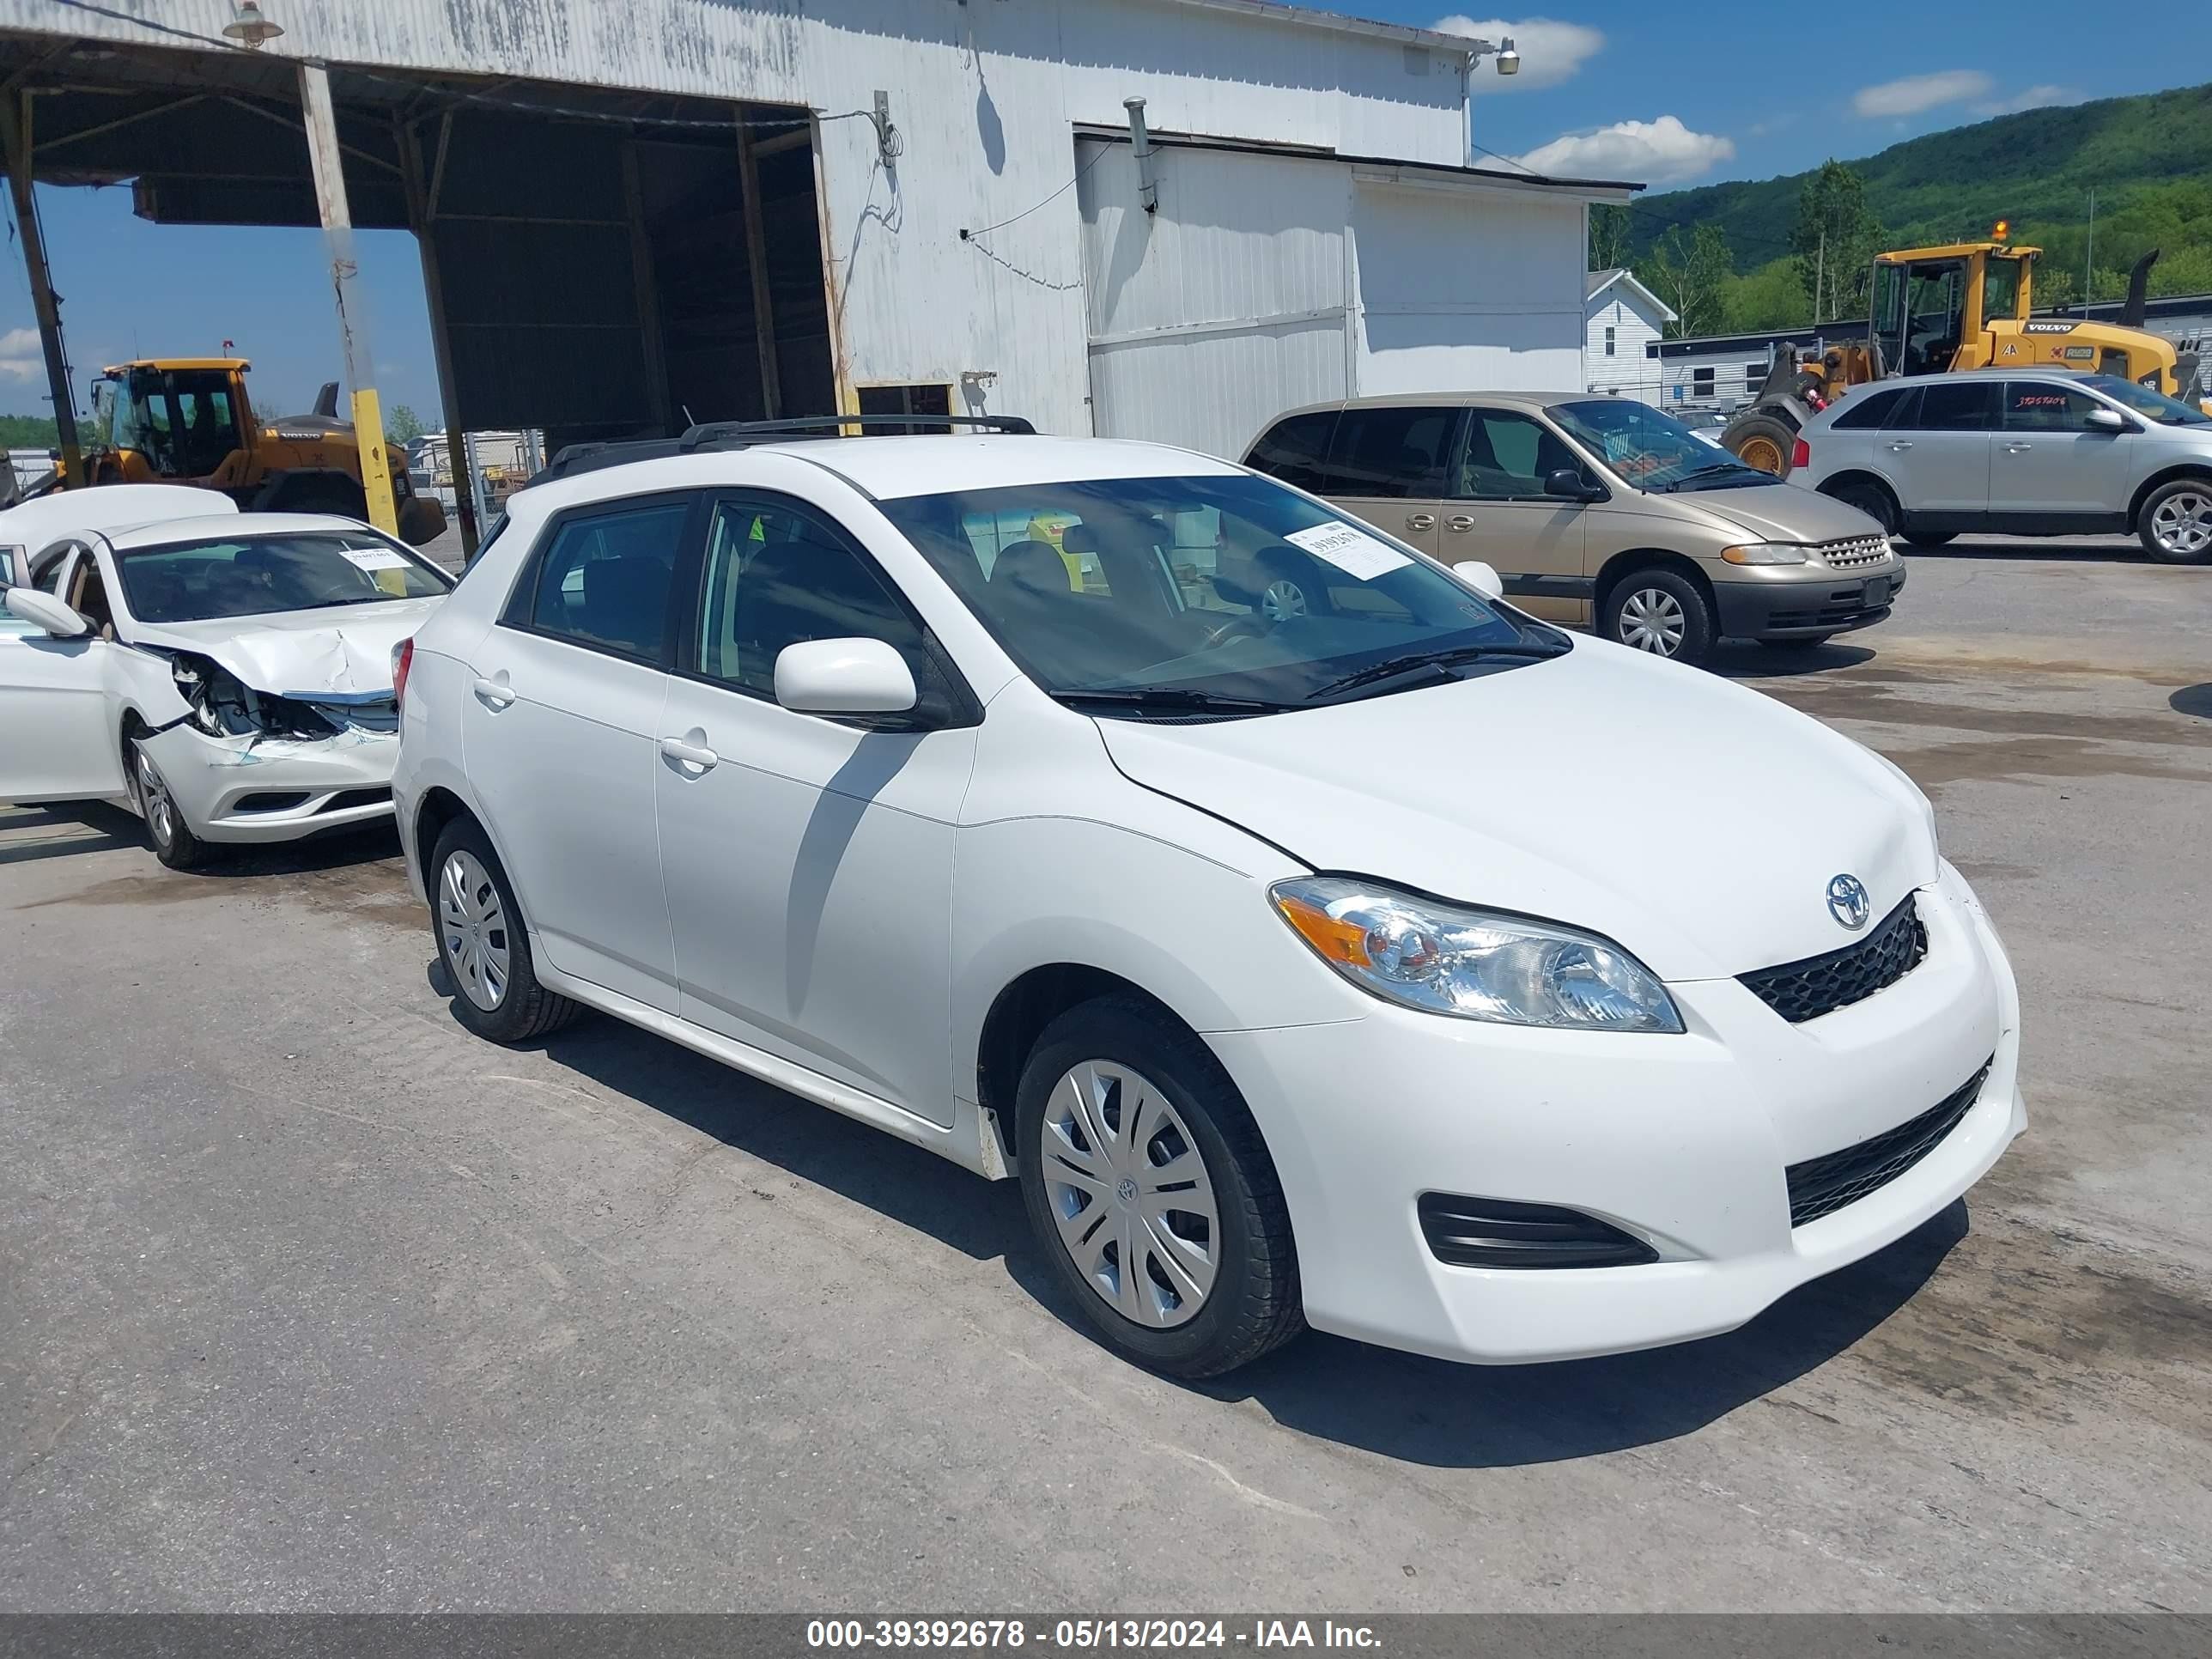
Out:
{"x": 1599, "y": 510}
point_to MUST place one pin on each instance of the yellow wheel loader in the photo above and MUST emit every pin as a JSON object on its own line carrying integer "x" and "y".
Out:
{"x": 1962, "y": 306}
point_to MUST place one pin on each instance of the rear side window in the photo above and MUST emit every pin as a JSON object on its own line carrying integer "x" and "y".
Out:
{"x": 1296, "y": 450}
{"x": 1391, "y": 451}
{"x": 604, "y": 579}
{"x": 2042, "y": 406}
{"x": 1957, "y": 406}
{"x": 1866, "y": 412}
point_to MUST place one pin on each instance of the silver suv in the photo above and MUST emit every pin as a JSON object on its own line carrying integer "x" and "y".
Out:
{"x": 2013, "y": 453}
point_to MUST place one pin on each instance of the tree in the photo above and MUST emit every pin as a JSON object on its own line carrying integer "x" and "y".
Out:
{"x": 1609, "y": 233}
{"x": 1692, "y": 278}
{"x": 1766, "y": 298}
{"x": 1834, "y": 242}
{"x": 403, "y": 425}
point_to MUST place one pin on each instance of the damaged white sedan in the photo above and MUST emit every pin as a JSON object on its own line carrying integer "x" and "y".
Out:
{"x": 230, "y": 680}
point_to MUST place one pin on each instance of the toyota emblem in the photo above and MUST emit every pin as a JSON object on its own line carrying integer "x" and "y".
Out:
{"x": 1848, "y": 903}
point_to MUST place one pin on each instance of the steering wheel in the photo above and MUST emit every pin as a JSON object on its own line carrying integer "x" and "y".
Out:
{"x": 1251, "y": 626}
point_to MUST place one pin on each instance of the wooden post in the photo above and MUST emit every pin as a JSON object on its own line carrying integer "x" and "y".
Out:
{"x": 324, "y": 154}
{"x": 422, "y": 215}
{"x": 15, "y": 132}
{"x": 771, "y": 370}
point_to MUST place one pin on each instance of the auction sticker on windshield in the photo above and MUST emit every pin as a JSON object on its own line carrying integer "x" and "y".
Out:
{"x": 374, "y": 558}
{"x": 1350, "y": 550}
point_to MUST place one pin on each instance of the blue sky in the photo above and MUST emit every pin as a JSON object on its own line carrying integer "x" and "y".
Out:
{"x": 1674, "y": 94}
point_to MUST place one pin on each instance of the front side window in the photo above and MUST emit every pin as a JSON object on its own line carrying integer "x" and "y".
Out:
{"x": 1291, "y": 600}
{"x": 228, "y": 576}
{"x": 605, "y": 579}
{"x": 778, "y": 575}
{"x": 1508, "y": 456}
{"x": 2149, "y": 401}
{"x": 2044, "y": 406}
{"x": 1393, "y": 451}
{"x": 1651, "y": 449}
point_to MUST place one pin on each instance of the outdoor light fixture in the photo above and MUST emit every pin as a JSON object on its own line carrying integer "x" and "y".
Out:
{"x": 250, "y": 28}
{"x": 1509, "y": 61}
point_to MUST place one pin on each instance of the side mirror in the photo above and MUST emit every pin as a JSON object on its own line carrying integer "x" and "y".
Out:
{"x": 843, "y": 677}
{"x": 2107, "y": 420}
{"x": 1482, "y": 576}
{"x": 1566, "y": 484}
{"x": 45, "y": 612}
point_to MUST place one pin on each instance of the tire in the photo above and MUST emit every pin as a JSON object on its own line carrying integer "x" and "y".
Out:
{"x": 1659, "y": 610}
{"x": 173, "y": 841}
{"x": 483, "y": 944}
{"x": 1761, "y": 441}
{"x": 1170, "y": 1319}
{"x": 2175, "y": 524}
{"x": 1931, "y": 537}
{"x": 1872, "y": 499}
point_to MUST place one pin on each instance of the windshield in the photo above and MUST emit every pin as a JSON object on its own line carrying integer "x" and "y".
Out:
{"x": 1137, "y": 590}
{"x": 2167, "y": 411}
{"x": 199, "y": 582}
{"x": 181, "y": 420}
{"x": 1651, "y": 449}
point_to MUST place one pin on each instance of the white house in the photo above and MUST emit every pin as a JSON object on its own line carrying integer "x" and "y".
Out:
{"x": 1620, "y": 318}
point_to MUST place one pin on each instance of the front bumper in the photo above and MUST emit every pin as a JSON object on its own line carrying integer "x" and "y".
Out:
{"x": 1799, "y": 608}
{"x": 273, "y": 789}
{"x": 1682, "y": 1141}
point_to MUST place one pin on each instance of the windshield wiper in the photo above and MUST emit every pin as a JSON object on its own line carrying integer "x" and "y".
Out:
{"x": 1440, "y": 663}
{"x": 1172, "y": 697}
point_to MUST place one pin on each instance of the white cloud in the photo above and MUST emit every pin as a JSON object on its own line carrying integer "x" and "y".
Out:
{"x": 1915, "y": 93}
{"x": 1551, "y": 52}
{"x": 2042, "y": 97}
{"x": 1660, "y": 152}
{"x": 21, "y": 358}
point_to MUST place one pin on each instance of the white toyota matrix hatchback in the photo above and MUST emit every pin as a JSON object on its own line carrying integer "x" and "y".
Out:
{"x": 1406, "y": 966}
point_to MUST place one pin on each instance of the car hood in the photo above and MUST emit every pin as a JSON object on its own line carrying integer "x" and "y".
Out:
{"x": 1694, "y": 822}
{"x": 302, "y": 652}
{"x": 1778, "y": 512}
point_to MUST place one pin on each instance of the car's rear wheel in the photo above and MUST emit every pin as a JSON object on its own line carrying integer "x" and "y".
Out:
{"x": 2176, "y": 522}
{"x": 484, "y": 946}
{"x": 1659, "y": 610}
{"x": 1871, "y": 498}
{"x": 174, "y": 842}
{"x": 1151, "y": 1192}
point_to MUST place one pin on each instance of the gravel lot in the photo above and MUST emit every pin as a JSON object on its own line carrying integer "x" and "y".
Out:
{"x": 307, "y": 1300}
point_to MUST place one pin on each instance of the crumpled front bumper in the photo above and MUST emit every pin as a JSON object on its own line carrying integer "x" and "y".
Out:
{"x": 270, "y": 789}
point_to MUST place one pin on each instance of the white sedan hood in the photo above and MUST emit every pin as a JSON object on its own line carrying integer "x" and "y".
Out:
{"x": 1696, "y": 822}
{"x": 346, "y": 649}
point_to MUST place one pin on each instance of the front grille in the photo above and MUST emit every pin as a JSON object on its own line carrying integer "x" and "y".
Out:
{"x": 1799, "y": 991}
{"x": 1821, "y": 1186}
{"x": 1854, "y": 551}
{"x": 1497, "y": 1232}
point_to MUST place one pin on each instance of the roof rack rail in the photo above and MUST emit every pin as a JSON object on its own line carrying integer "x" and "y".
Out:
{"x": 572, "y": 459}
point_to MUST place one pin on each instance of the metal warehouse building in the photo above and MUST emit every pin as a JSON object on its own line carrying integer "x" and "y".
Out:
{"x": 634, "y": 215}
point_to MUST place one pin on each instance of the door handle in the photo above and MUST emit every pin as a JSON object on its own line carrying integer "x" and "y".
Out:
{"x": 691, "y": 754}
{"x": 2018, "y": 449}
{"x": 493, "y": 694}
{"x": 1903, "y": 446}
{"x": 1459, "y": 521}
{"x": 1420, "y": 521}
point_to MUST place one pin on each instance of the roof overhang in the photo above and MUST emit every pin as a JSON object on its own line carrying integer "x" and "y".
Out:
{"x": 1383, "y": 170}
{"x": 1307, "y": 17}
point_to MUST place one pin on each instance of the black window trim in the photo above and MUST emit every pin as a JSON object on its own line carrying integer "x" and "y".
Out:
{"x": 1542, "y": 421}
{"x": 2005, "y": 409}
{"x": 964, "y": 707}
{"x": 1330, "y": 415}
{"x": 1332, "y": 486}
{"x": 518, "y": 612}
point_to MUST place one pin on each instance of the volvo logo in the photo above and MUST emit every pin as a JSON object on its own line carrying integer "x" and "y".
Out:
{"x": 1848, "y": 903}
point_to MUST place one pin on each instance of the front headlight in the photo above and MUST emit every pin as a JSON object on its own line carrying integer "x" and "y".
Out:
{"x": 1471, "y": 963}
{"x": 1765, "y": 553}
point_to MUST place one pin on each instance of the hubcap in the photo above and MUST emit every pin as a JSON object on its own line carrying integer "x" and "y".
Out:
{"x": 153, "y": 801}
{"x": 1282, "y": 599}
{"x": 1763, "y": 453}
{"x": 1130, "y": 1195}
{"x": 2183, "y": 523}
{"x": 1652, "y": 620}
{"x": 472, "y": 923}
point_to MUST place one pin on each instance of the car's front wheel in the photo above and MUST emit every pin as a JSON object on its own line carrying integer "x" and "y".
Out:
{"x": 1151, "y": 1192}
{"x": 2176, "y": 522}
{"x": 174, "y": 842}
{"x": 1659, "y": 610}
{"x": 483, "y": 945}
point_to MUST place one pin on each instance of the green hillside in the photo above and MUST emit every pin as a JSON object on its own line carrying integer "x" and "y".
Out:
{"x": 2149, "y": 158}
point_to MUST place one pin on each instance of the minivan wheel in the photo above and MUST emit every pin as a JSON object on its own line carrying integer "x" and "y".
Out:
{"x": 484, "y": 946}
{"x": 1660, "y": 611}
{"x": 1151, "y": 1193}
{"x": 174, "y": 843}
{"x": 2176, "y": 522}
{"x": 1931, "y": 537}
